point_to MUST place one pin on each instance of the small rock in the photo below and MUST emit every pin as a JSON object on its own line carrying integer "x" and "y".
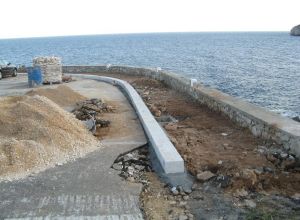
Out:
{"x": 172, "y": 202}
{"x": 250, "y": 175}
{"x": 296, "y": 118}
{"x": 220, "y": 162}
{"x": 291, "y": 157}
{"x": 241, "y": 193}
{"x": 194, "y": 186}
{"x": 139, "y": 167}
{"x": 117, "y": 166}
{"x": 191, "y": 216}
{"x": 262, "y": 150}
{"x": 284, "y": 155}
{"x": 180, "y": 189}
{"x": 130, "y": 179}
{"x": 182, "y": 203}
{"x": 198, "y": 197}
{"x": 224, "y": 134}
{"x": 182, "y": 193}
{"x": 187, "y": 190}
{"x": 259, "y": 170}
{"x": 227, "y": 147}
{"x": 130, "y": 170}
{"x": 90, "y": 125}
{"x": 157, "y": 113}
{"x": 171, "y": 126}
{"x": 187, "y": 207}
{"x": 271, "y": 158}
{"x": 224, "y": 181}
{"x": 185, "y": 157}
{"x": 185, "y": 198}
{"x": 268, "y": 170}
{"x": 250, "y": 204}
{"x": 296, "y": 196}
{"x": 204, "y": 176}
{"x": 128, "y": 156}
{"x": 183, "y": 217}
{"x": 174, "y": 191}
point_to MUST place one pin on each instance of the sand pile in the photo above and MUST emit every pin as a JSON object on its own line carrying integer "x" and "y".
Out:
{"x": 35, "y": 133}
{"x": 62, "y": 95}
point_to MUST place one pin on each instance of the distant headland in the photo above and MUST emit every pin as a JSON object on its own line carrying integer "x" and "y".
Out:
{"x": 295, "y": 31}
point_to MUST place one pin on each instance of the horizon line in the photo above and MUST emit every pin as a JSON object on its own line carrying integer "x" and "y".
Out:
{"x": 136, "y": 33}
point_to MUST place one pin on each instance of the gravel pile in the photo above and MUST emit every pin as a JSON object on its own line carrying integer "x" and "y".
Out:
{"x": 35, "y": 134}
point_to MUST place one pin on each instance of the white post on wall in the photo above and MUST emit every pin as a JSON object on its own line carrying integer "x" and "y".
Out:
{"x": 193, "y": 82}
{"x": 108, "y": 66}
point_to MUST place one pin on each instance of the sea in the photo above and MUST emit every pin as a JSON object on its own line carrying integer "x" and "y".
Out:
{"x": 260, "y": 67}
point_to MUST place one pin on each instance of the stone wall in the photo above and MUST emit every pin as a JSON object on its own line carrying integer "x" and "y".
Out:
{"x": 261, "y": 122}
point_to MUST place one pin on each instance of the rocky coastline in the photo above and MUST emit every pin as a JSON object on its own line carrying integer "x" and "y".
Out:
{"x": 295, "y": 31}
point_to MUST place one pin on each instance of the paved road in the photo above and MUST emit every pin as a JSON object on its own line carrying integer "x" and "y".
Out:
{"x": 86, "y": 188}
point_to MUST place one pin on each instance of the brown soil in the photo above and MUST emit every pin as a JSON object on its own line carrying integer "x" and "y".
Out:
{"x": 62, "y": 95}
{"x": 157, "y": 202}
{"x": 209, "y": 141}
{"x": 35, "y": 134}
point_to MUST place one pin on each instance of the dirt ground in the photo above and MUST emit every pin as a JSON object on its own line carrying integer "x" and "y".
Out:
{"x": 242, "y": 164}
{"x": 157, "y": 202}
{"x": 62, "y": 95}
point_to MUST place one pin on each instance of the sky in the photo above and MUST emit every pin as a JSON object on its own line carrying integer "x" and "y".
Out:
{"x": 37, "y": 18}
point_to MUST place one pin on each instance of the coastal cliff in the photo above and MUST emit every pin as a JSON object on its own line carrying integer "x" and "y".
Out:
{"x": 295, "y": 31}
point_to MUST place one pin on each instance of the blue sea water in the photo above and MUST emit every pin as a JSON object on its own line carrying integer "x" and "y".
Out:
{"x": 263, "y": 68}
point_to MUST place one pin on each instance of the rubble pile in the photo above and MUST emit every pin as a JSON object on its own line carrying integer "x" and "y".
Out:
{"x": 90, "y": 111}
{"x": 51, "y": 69}
{"x": 133, "y": 165}
{"x": 281, "y": 158}
{"x": 158, "y": 200}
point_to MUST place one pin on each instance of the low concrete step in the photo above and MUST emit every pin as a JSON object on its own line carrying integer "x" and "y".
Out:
{"x": 97, "y": 217}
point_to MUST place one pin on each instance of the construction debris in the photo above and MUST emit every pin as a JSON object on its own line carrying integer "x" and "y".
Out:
{"x": 67, "y": 79}
{"x": 51, "y": 69}
{"x": 90, "y": 111}
{"x": 133, "y": 165}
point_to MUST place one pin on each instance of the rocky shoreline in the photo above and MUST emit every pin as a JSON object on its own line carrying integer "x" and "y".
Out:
{"x": 295, "y": 31}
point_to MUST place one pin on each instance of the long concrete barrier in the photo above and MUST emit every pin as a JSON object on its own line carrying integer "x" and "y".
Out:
{"x": 169, "y": 158}
{"x": 261, "y": 122}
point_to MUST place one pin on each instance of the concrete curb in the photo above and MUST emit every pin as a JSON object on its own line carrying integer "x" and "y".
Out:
{"x": 167, "y": 155}
{"x": 261, "y": 122}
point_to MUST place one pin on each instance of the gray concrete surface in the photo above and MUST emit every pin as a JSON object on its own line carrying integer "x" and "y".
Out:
{"x": 86, "y": 188}
{"x": 14, "y": 86}
{"x": 169, "y": 158}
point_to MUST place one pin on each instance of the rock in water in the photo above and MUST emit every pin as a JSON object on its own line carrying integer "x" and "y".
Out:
{"x": 295, "y": 31}
{"x": 297, "y": 118}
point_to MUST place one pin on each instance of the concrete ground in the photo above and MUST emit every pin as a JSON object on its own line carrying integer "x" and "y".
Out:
{"x": 86, "y": 188}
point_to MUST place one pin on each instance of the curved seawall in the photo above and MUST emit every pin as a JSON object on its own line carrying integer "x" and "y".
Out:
{"x": 261, "y": 122}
